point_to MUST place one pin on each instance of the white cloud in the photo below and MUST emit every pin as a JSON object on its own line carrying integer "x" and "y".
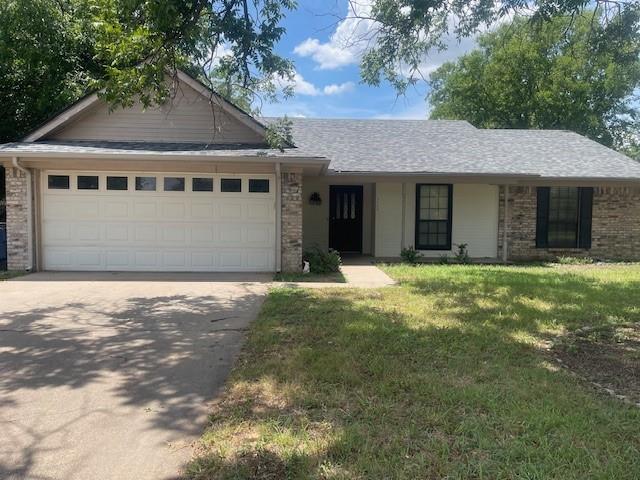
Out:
{"x": 346, "y": 44}
{"x": 337, "y": 89}
{"x": 304, "y": 87}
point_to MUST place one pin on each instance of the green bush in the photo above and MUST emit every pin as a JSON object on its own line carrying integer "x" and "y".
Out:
{"x": 566, "y": 260}
{"x": 462, "y": 255}
{"x": 321, "y": 261}
{"x": 410, "y": 255}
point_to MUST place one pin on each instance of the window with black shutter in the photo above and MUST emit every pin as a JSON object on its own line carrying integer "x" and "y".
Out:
{"x": 564, "y": 217}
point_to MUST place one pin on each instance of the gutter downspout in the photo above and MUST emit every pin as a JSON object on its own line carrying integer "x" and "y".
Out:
{"x": 278, "y": 218}
{"x": 505, "y": 233}
{"x": 27, "y": 173}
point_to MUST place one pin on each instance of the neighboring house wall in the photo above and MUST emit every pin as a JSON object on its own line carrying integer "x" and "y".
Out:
{"x": 17, "y": 224}
{"x": 291, "y": 222}
{"x": 474, "y": 219}
{"x": 188, "y": 117}
{"x": 615, "y": 225}
{"x": 316, "y": 217}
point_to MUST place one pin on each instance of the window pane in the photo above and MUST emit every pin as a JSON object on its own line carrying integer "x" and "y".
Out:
{"x": 563, "y": 217}
{"x": 174, "y": 184}
{"x": 202, "y": 185}
{"x": 258, "y": 185}
{"x": 433, "y": 217}
{"x": 231, "y": 185}
{"x": 117, "y": 183}
{"x": 60, "y": 182}
{"x": 87, "y": 182}
{"x": 146, "y": 184}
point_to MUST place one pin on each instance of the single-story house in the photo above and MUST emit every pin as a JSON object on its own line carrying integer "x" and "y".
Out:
{"x": 193, "y": 186}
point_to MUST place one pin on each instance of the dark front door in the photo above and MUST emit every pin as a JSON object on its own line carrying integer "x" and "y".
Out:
{"x": 345, "y": 218}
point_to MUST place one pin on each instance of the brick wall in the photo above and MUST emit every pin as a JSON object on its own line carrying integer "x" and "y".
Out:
{"x": 291, "y": 222}
{"x": 615, "y": 231}
{"x": 17, "y": 225}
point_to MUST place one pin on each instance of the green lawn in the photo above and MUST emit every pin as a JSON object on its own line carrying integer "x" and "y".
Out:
{"x": 336, "y": 277}
{"x": 444, "y": 376}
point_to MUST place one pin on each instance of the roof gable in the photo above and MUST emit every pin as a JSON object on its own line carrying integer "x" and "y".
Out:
{"x": 195, "y": 114}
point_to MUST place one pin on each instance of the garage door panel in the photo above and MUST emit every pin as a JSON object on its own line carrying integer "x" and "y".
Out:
{"x": 114, "y": 209}
{"x": 117, "y": 259}
{"x": 88, "y": 259}
{"x": 202, "y": 235}
{"x": 202, "y": 210}
{"x": 115, "y": 232}
{"x": 88, "y": 232}
{"x": 148, "y": 210}
{"x": 157, "y": 231}
{"x": 146, "y": 259}
{"x": 146, "y": 233}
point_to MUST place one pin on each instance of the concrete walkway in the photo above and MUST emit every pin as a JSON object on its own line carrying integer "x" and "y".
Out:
{"x": 359, "y": 272}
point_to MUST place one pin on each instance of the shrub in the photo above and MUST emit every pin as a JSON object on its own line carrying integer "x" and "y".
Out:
{"x": 321, "y": 261}
{"x": 410, "y": 255}
{"x": 462, "y": 255}
{"x": 574, "y": 260}
{"x": 443, "y": 259}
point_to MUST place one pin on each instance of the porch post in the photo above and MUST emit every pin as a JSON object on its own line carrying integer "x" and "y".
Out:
{"x": 505, "y": 228}
{"x": 291, "y": 219}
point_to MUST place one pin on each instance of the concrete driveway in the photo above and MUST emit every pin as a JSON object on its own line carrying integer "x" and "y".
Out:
{"x": 108, "y": 376}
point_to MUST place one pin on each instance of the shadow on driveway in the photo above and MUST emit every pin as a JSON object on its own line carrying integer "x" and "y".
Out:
{"x": 111, "y": 379}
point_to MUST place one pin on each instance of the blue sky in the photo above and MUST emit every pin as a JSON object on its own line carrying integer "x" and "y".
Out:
{"x": 327, "y": 78}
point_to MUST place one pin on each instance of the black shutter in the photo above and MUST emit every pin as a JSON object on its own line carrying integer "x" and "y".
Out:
{"x": 542, "y": 218}
{"x": 586, "y": 209}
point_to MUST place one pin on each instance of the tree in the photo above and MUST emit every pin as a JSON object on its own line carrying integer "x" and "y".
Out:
{"x": 402, "y": 32}
{"x": 54, "y": 51}
{"x": 569, "y": 73}
{"x": 46, "y": 62}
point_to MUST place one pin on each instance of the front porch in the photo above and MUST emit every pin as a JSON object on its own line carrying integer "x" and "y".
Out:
{"x": 379, "y": 216}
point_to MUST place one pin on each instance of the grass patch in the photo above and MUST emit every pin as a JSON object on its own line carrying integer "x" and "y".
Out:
{"x": 334, "y": 277}
{"x": 7, "y": 274}
{"x": 446, "y": 375}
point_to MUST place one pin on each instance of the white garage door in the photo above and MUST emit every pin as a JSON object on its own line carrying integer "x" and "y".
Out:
{"x": 158, "y": 222}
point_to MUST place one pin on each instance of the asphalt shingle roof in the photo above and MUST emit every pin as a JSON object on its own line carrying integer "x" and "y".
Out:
{"x": 396, "y": 146}
{"x": 456, "y": 147}
{"x": 97, "y": 147}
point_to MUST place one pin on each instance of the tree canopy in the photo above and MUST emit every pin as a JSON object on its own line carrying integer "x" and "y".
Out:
{"x": 403, "y": 31}
{"x": 569, "y": 73}
{"x": 53, "y": 51}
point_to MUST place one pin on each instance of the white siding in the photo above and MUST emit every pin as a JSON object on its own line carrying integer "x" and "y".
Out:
{"x": 189, "y": 117}
{"x": 388, "y": 211}
{"x": 474, "y": 219}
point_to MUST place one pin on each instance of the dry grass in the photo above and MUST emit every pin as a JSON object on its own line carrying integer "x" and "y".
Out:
{"x": 442, "y": 376}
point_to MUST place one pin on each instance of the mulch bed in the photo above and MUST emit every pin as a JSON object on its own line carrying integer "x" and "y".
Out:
{"x": 608, "y": 357}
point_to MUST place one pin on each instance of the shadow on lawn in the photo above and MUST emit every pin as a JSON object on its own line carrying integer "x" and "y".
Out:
{"x": 345, "y": 385}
